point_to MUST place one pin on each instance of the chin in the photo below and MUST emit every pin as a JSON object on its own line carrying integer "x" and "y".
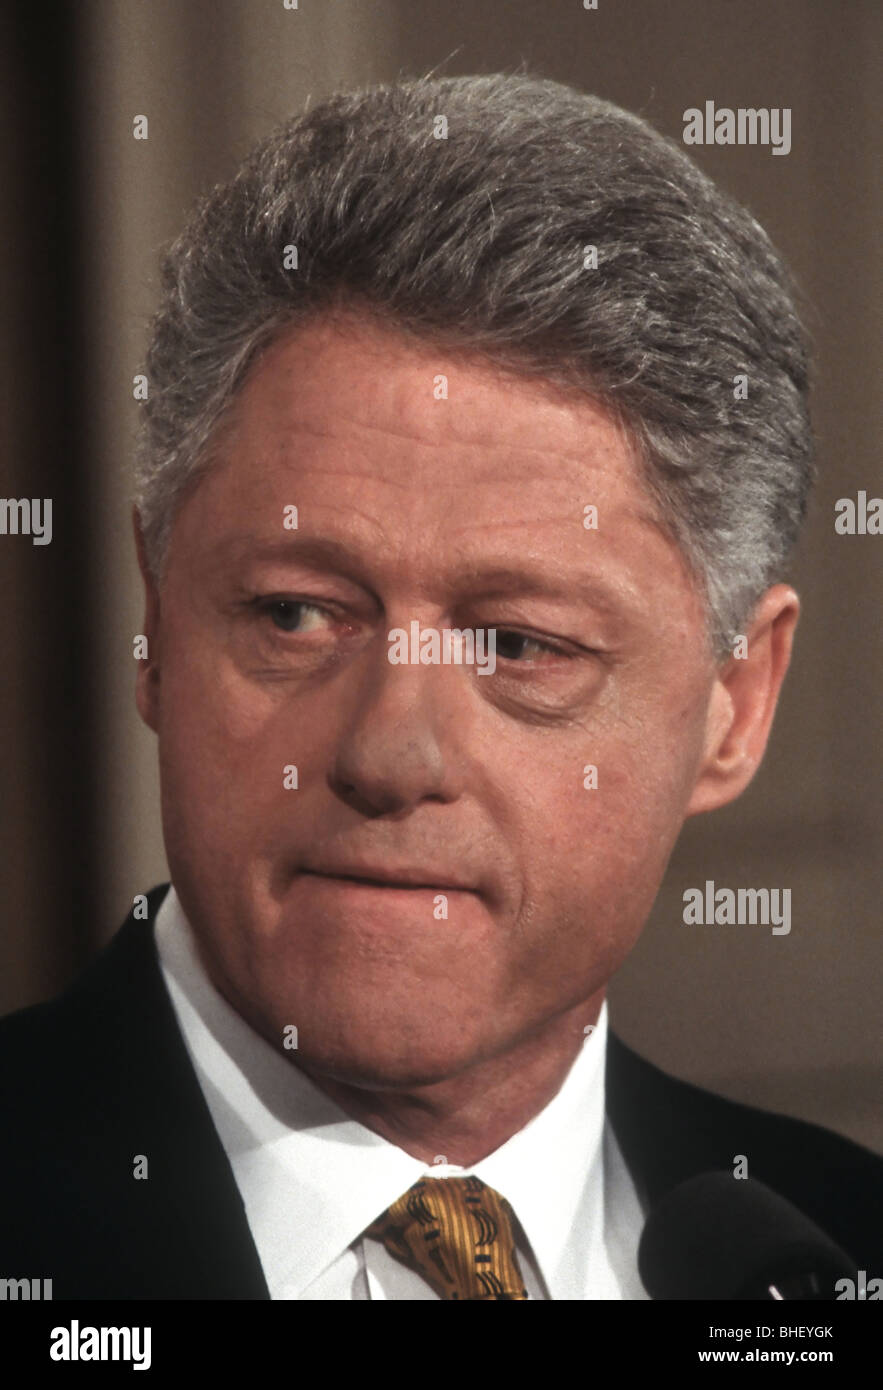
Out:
{"x": 374, "y": 1060}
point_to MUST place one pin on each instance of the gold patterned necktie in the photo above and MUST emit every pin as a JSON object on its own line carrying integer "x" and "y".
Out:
{"x": 457, "y": 1233}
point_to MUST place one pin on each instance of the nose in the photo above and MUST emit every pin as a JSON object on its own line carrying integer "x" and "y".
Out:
{"x": 404, "y": 739}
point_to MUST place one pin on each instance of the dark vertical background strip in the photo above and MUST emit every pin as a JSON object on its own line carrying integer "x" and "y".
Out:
{"x": 47, "y": 738}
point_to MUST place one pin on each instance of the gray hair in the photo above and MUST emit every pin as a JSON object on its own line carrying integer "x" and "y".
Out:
{"x": 476, "y": 239}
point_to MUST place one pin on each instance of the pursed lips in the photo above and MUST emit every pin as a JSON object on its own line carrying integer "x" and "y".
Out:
{"x": 403, "y": 878}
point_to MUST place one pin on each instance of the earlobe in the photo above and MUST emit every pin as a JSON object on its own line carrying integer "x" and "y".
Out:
{"x": 743, "y": 702}
{"x": 147, "y": 679}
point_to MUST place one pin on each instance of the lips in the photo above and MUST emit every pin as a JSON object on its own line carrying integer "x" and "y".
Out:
{"x": 387, "y": 877}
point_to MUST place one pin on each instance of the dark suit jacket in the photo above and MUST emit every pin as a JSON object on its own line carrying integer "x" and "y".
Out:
{"x": 100, "y": 1075}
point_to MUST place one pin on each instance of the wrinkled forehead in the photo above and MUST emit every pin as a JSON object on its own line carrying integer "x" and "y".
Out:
{"x": 347, "y": 398}
{"x": 398, "y": 463}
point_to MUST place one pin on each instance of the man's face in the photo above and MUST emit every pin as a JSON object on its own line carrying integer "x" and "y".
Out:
{"x": 319, "y": 906}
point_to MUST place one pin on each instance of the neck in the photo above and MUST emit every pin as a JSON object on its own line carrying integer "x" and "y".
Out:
{"x": 468, "y": 1116}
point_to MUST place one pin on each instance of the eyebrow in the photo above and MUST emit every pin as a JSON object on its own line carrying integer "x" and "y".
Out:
{"x": 508, "y": 582}
{"x": 315, "y": 551}
{"x": 493, "y": 582}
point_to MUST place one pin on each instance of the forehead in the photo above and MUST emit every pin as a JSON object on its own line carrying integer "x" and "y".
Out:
{"x": 428, "y": 460}
{"x": 349, "y": 400}
{"x": 351, "y": 375}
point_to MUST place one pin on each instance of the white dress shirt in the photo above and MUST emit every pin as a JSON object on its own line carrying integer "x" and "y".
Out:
{"x": 312, "y": 1179}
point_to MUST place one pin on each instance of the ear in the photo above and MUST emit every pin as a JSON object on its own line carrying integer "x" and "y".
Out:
{"x": 743, "y": 701}
{"x": 147, "y": 683}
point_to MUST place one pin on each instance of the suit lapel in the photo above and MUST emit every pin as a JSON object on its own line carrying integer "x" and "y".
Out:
{"x": 667, "y": 1130}
{"x": 182, "y": 1232}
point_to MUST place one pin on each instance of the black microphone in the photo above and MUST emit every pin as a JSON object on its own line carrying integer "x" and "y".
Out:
{"x": 720, "y": 1237}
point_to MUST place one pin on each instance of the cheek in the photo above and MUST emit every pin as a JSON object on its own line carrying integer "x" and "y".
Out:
{"x": 223, "y": 750}
{"x": 599, "y": 824}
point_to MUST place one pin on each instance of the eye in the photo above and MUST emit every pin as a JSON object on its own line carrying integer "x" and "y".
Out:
{"x": 293, "y": 615}
{"x": 517, "y": 646}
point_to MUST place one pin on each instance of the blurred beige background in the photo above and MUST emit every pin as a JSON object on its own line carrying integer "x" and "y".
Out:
{"x": 792, "y": 1023}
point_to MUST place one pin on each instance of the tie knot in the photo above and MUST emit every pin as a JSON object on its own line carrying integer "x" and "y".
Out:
{"x": 458, "y": 1234}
